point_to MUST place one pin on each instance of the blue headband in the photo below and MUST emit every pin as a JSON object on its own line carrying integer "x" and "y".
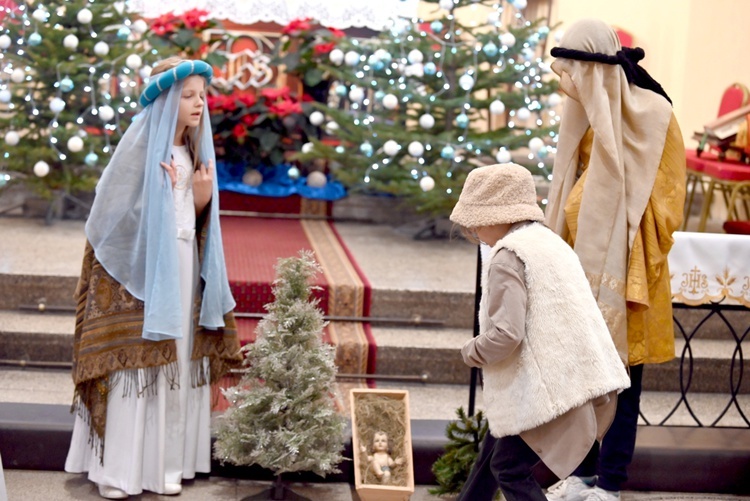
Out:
{"x": 167, "y": 79}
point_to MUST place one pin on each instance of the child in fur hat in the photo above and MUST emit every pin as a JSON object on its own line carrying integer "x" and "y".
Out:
{"x": 551, "y": 370}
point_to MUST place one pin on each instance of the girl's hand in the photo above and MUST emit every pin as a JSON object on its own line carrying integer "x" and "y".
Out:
{"x": 171, "y": 169}
{"x": 203, "y": 183}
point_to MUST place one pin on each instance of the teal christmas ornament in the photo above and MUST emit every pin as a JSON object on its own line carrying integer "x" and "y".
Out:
{"x": 379, "y": 95}
{"x": 430, "y": 68}
{"x": 293, "y": 173}
{"x": 448, "y": 152}
{"x": 340, "y": 150}
{"x": 542, "y": 152}
{"x": 91, "y": 159}
{"x": 436, "y": 26}
{"x": 341, "y": 90}
{"x": 35, "y": 39}
{"x": 490, "y": 49}
{"x": 366, "y": 149}
{"x": 462, "y": 120}
{"x": 123, "y": 33}
{"x": 66, "y": 84}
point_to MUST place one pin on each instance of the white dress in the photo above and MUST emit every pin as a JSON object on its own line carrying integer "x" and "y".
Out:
{"x": 163, "y": 436}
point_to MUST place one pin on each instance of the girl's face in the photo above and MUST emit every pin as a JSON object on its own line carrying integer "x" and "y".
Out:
{"x": 191, "y": 102}
{"x": 380, "y": 442}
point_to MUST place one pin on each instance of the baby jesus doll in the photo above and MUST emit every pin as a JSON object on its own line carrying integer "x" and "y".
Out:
{"x": 380, "y": 460}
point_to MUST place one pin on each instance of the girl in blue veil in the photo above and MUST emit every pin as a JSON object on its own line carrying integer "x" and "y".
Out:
{"x": 154, "y": 323}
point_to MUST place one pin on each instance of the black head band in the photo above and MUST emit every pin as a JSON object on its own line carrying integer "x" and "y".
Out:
{"x": 627, "y": 58}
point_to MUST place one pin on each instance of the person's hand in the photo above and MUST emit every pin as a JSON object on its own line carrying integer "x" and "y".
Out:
{"x": 203, "y": 185}
{"x": 399, "y": 461}
{"x": 171, "y": 169}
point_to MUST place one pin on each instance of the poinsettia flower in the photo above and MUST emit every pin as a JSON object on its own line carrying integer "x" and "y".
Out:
{"x": 249, "y": 119}
{"x": 284, "y": 108}
{"x": 195, "y": 18}
{"x": 324, "y": 48}
{"x": 239, "y": 131}
{"x": 307, "y": 98}
{"x": 247, "y": 99}
{"x": 337, "y": 33}
{"x": 297, "y": 25}
{"x": 162, "y": 26}
{"x": 274, "y": 93}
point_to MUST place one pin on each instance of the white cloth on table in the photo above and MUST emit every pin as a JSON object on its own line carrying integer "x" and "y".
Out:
{"x": 161, "y": 436}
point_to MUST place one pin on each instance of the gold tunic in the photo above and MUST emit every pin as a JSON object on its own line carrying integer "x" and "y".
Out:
{"x": 648, "y": 293}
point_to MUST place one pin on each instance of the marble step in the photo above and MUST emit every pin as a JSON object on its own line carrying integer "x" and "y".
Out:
{"x": 432, "y": 354}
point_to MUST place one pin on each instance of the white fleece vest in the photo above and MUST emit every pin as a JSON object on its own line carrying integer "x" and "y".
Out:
{"x": 567, "y": 356}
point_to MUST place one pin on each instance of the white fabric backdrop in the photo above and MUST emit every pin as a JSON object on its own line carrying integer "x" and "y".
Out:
{"x": 333, "y": 13}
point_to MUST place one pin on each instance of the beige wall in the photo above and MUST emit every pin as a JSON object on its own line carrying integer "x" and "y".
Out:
{"x": 694, "y": 48}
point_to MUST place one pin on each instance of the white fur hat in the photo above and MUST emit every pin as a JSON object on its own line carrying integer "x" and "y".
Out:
{"x": 497, "y": 194}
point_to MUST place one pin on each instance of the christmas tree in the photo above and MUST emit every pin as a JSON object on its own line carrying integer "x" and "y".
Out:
{"x": 419, "y": 107}
{"x": 73, "y": 73}
{"x": 452, "y": 468}
{"x": 282, "y": 415}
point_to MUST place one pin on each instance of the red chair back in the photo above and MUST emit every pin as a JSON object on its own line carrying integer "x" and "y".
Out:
{"x": 735, "y": 96}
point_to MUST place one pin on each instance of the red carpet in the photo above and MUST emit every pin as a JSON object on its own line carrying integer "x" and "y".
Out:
{"x": 252, "y": 247}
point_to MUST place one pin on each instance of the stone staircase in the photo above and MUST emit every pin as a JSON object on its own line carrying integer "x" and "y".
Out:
{"x": 427, "y": 282}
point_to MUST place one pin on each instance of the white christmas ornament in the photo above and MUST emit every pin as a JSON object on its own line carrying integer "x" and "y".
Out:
{"x": 106, "y": 113}
{"x": 427, "y": 121}
{"x": 139, "y": 26}
{"x": 351, "y": 58}
{"x": 390, "y": 101}
{"x": 18, "y": 75}
{"x": 503, "y": 156}
{"x": 523, "y": 114}
{"x": 554, "y": 99}
{"x": 519, "y": 4}
{"x": 336, "y": 56}
{"x": 145, "y": 72}
{"x": 316, "y": 179}
{"x": 357, "y": 94}
{"x": 84, "y": 16}
{"x": 508, "y": 39}
{"x": 101, "y": 49}
{"x": 466, "y": 82}
{"x": 134, "y": 61}
{"x": 391, "y": 148}
{"x": 416, "y": 149}
{"x": 307, "y": 147}
{"x": 5, "y": 41}
{"x": 493, "y": 17}
{"x": 12, "y": 138}
{"x": 40, "y": 15}
{"x": 41, "y": 168}
{"x": 536, "y": 144}
{"x": 426, "y": 183}
{"x": 497, "y": 107}
{"x": 446, "y": 4}
{"x": 5, "y": 96}
{"x": 75, "y": 144}
{"x": 332, "y": 127}
{"x": 253, "y": 177}
{"x": 70, "y": 42}
{"x": 317, "y": 118}
{"x": 56, "y": 105}
{"x": 415, "y": 57}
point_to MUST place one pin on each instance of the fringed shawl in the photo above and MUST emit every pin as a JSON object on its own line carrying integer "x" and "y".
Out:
{"x": 108, "y": 340}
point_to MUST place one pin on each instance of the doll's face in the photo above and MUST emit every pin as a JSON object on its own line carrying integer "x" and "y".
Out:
{"x": 380, "y": 442}
{"x": 191, "y": 102}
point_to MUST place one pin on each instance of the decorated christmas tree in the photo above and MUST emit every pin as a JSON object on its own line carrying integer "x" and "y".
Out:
{"x": 73, "y": 71}
{"x": 282, "y": 414}
{"x": 419, "y": 107}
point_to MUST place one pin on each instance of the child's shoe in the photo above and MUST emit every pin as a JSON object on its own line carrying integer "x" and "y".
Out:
{"x": 569, "y": 489}
{"x": 108, "y": 492}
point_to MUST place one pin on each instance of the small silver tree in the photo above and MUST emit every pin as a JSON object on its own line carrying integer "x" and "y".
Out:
{"x": 282, "y": 414}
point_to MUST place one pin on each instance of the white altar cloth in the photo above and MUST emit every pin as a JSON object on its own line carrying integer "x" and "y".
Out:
{"x": 710, "y": 268}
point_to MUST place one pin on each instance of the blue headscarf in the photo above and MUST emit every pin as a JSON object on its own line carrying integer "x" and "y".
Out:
{"x": 132, "y": 224}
